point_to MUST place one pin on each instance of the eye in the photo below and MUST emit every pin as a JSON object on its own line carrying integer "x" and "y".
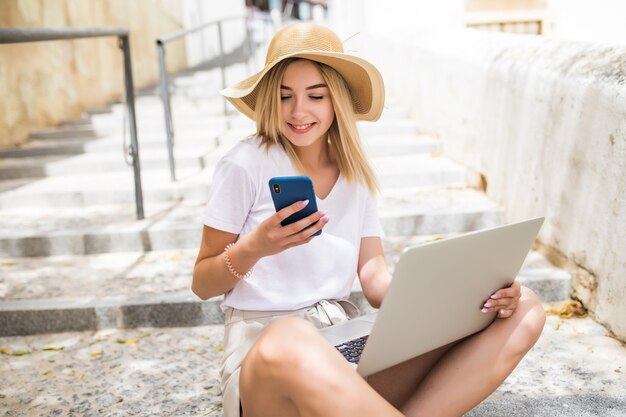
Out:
{"x": 283, "y": 98}
{"x": 316, "y": 97}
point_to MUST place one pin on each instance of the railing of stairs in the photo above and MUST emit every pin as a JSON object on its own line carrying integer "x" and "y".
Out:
{"x": 23, "y": 35}
{"x": 164, "y": 77}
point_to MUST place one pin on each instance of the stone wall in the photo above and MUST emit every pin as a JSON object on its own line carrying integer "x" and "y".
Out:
{"x": 544, "y": 122}
{"x": 43, "y": 83}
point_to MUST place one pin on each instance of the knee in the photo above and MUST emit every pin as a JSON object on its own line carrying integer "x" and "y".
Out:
{"x": 533, "y": 318}
{"x": 281, "y": 348}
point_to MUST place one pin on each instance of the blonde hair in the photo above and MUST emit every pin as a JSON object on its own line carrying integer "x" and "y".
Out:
{"x": 343, "y": 136}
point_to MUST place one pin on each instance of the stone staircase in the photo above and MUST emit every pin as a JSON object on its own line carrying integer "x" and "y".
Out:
{"x": 74, "y": 257}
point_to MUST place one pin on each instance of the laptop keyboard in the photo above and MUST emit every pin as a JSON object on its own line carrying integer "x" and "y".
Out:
{"x": 352, "y": 349}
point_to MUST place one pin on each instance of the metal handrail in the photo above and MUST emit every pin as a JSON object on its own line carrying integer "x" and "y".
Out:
{"x": 164, "y": 80}
{"x": 20, "y": 35}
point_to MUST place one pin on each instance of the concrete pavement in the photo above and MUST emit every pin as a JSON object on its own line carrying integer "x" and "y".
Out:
{"x": 575, "y": 370}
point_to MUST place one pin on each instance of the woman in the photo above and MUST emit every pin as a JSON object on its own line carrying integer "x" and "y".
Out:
{"x": 281, "y": 283}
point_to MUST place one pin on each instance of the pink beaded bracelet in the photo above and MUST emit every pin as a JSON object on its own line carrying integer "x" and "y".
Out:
{"x": 229, "y": 264}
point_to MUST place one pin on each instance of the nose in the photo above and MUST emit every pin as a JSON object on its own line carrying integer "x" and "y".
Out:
{"x": 298, "y": 107}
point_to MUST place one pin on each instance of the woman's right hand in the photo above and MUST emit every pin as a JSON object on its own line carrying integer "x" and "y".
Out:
{"x": 270, "y": 237}
{"x": 211, "y": 277}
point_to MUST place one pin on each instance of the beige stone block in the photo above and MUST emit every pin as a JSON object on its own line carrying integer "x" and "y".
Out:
{"x": 51, "y": 81}
{"x": 12, "y": 111}
{"x": 29, "y": 10}
{"x": 54, "y": 13}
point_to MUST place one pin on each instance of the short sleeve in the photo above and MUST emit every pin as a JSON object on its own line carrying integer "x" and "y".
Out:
{"x": 230, "y": 199}
{"x": 371, "y": 222}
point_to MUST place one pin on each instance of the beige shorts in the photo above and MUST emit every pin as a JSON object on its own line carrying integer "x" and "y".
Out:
{"x": 242, "y": 328}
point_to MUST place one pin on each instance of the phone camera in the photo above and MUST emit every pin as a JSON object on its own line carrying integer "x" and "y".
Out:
{"x": 277, "y": 188}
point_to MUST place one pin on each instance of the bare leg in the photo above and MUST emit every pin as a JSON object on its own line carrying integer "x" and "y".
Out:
{"x": 292, "y": 371}
{"x": 398, "y": 383}
{"x": 462, "y": 375}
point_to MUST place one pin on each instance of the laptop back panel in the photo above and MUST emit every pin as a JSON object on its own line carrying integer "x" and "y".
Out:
{"x": 438, "y": 290}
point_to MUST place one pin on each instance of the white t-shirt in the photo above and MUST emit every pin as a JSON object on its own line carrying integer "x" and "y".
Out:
{"x": 324, "y": 268}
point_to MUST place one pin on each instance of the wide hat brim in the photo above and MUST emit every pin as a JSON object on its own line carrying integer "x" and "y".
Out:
{"x": 364, "y": 82}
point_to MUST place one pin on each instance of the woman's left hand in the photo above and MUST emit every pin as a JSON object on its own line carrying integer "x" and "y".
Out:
{"x": 504, "y": 301}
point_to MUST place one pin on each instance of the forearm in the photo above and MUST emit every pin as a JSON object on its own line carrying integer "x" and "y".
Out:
{"x": 373, "y": 272}
{"x": 375, "y": 290}
{"x": 211, "y": 275}
{"x": 211, "y": 278}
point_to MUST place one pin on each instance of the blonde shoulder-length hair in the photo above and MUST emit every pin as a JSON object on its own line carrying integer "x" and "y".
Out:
{"x": 343, "y": 136}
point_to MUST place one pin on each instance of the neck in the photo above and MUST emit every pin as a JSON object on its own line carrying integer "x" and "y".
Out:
{"x": 315, "y": 156}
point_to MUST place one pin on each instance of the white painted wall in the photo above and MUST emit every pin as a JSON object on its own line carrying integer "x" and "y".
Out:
{"x": 544, "y": 120}
{"x": 394, "y": 18}
{"x": 588, "y": 20}
{"x": 204, "y": 44}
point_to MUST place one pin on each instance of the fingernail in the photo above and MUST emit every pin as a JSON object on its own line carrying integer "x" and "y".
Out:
{"x": 325, "y": 218}
{"x": 488, "y": 304}
{"x": 485, "y": 310}
{"x": 304, "y": 203}
{"x": 494, "y": 296}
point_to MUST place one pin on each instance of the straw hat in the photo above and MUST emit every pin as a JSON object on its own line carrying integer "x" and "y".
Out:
{"x": 317, "y": 43}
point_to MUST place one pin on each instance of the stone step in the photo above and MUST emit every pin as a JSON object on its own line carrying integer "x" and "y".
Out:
{"x": 402, "y": 171}
{"x": 153, "y": 105}
{"x": 93, "y": 188}
{"x": 151, "y": 130}
{"x": 83, "y": 120}
{"x": 93, "y": 111}
{"x": 68, "y": 131}
{"x": 88, "y": 190}
{"x": 409, "y": 212}
{"x": 47, "y": 147}
{"x": 151, "y": 126}
{"x": 134, "y": 289}
{"x": 152, "y": 123}
{"x": 149, "y": 108}
{"x": 390, "y": 127}
{"x": 184, "y": 120}
{"x": 192, "y": 158}
{"x": 170, "y": 225}
{"x": 383, "y": 145}
{"x": 190, "y": 151}
{"x": 113, "y": 142}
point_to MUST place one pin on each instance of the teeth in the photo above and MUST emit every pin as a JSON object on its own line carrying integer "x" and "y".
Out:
{"x": 302, "y": 127}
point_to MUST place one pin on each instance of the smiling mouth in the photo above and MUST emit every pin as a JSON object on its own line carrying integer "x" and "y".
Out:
{"x": 301, "y": 127}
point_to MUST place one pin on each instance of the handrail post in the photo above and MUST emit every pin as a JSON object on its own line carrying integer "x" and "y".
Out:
{"x": 124, "y": 43}
{"x": 222, "y": 67}
{"x": 167, "y": 110}
{"x": 165, "y": 93}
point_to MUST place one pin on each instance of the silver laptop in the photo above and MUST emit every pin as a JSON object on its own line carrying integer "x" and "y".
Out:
{"x": 435, "y": 297}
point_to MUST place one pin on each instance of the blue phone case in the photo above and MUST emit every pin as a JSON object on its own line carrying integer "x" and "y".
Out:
{"x": 287, "y": 190}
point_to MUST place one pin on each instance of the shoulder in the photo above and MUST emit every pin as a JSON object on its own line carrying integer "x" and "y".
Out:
{"x": 244, "y": 151}
{"x": 250, "y": 161}
{"x": 251, "y": 153}
{"x": 244, "y": 156}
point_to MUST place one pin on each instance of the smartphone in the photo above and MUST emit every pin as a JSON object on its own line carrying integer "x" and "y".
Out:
{"x": 288, "y": 190}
